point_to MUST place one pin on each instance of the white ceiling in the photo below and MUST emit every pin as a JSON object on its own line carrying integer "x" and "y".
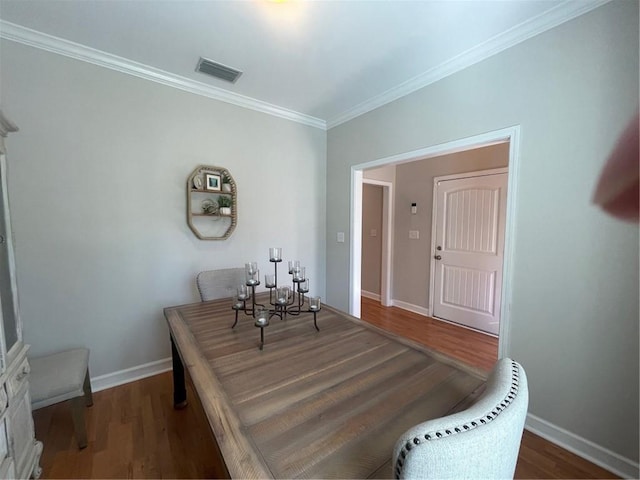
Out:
{"x": 320, "y": 62}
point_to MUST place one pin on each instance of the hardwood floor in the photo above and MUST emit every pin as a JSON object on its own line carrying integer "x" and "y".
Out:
{"x": 134, "y": 432}
{"x": 469, "y": 346}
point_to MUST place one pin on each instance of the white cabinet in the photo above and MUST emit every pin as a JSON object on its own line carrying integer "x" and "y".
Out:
{"x": 19, "y": 450}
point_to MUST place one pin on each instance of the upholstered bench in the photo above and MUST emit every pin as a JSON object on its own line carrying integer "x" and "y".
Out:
{"x": 59, "y": 377}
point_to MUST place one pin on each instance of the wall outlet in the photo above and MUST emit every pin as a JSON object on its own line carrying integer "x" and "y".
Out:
{"x": 414, "y": 234}
{"x": 340, "y": 237}
{"x": 373, "y": 233}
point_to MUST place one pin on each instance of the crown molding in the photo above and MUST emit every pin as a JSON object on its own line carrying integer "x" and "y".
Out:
{"x": 553, "y": 17}
{"x": 43, "y": 41}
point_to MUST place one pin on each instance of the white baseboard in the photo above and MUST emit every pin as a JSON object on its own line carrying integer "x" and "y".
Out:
{"x": 412, "y": 308}
{"x": 132, "y": 374}
{"x": 582, "y": 447}
{"x": 372, "y": 296}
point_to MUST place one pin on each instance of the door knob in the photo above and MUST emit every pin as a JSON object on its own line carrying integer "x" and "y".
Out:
{"x": 437, "y": 257}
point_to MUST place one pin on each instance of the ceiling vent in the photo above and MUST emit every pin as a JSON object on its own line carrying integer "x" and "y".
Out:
{"x": 218, "y": 70}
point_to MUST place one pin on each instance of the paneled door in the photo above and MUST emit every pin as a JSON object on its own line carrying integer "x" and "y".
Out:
{"x": 469, "y": 244}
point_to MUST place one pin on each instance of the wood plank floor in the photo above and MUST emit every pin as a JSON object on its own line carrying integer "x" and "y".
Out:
{"x": 134, "y": 432}
{"x": 469, "y": 346}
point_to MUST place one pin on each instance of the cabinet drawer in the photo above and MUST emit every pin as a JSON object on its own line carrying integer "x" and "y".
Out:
{"x": 19, "y": 377}
{"x": 22, "y": 443}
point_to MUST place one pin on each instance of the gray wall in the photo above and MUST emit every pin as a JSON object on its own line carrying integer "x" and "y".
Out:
{"x": 574, "y": 315}
{"x": 371, "y": 245}
{"x": 414, "y": 183}
{"x": 97, "y": 178}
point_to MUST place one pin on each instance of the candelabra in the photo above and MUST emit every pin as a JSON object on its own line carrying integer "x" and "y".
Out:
{"x": 283, "y": 300}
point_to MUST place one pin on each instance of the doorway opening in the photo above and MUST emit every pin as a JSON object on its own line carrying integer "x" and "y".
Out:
{"x": 377, "y": 224}
{"x": 508, "y": 136}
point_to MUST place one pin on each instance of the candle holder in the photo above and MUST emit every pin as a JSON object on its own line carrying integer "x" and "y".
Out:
{"x": 262, "y": 320}
{"x": 283, "y": 299}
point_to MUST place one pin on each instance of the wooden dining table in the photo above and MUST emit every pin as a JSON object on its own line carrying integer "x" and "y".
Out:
{"x": 327, "y": 403}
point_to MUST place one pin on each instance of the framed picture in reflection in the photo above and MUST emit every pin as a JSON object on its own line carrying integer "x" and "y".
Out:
{"x": 212, "y": 182}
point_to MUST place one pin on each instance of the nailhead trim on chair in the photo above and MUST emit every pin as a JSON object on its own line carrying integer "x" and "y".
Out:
{"x": 513, "y": 392}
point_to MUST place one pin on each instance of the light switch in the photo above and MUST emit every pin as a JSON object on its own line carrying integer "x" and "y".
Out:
{"x": 414, "y": 234}
{"x": 340, "y": 237}
{"x": 373, "y": 233}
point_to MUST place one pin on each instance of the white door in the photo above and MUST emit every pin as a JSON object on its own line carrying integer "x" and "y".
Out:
{"x": 470, "y": 225}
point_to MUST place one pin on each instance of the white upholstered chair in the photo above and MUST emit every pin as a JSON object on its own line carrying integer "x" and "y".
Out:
{"x": 60, "y": 377}
{"x": 215, "y": 284}
{"x": 482, "y": 441}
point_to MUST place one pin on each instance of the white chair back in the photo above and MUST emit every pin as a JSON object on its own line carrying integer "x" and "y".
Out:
{"x": 482, "y": 441}
{"x": 215, "y": 284}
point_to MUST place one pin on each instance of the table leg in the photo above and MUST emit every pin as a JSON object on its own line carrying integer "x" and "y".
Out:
{"x": 179, "y": 388}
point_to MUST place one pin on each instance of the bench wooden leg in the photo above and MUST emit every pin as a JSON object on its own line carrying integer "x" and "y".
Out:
{"x": 88, "y": 394}
{"x": 77, "y": 413}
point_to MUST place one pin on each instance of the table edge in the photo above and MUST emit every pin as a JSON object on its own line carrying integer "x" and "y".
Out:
{"x": 241, "y": 456}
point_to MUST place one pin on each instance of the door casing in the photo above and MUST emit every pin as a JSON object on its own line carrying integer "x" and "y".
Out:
{"x": 509, "y": 134}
